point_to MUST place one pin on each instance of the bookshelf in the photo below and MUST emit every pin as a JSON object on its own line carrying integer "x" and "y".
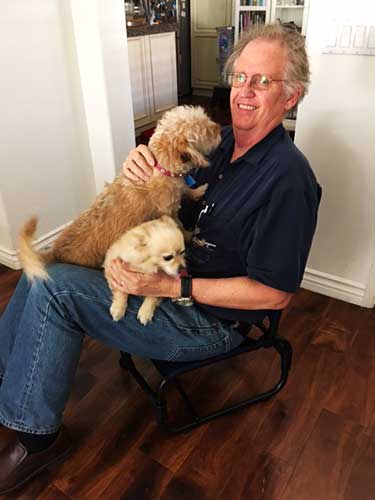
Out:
{"x": 250, "y": 12}
{"x": 253, "y": 12}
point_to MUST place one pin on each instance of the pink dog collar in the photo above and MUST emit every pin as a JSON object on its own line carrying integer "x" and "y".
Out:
{"x": 166, "y": 172}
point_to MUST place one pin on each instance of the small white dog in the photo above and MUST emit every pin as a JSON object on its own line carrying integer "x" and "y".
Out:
{"x": 156, "y": 245}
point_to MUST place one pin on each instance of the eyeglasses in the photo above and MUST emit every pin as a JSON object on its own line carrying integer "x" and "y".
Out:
{"x": 258, "y": 82}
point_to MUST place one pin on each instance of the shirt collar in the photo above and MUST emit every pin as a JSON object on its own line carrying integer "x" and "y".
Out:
{"x": 255, "y": 154}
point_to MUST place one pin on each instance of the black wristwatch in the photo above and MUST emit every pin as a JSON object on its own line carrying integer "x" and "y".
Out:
{"x": 186, "y": 298}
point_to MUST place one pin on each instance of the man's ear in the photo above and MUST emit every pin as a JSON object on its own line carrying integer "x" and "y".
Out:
{"x": 293, "y": 99}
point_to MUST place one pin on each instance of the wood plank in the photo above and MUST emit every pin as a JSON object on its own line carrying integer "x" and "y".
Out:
{"x": 40, "y": 488}
{"x": 224, "y": 445}
{"x": 295, "y": 410}
{"x": 52, "y": 493}
{"x": 324, "y": 467}
{"x": 348, "y": 329}
{"x": 8, "y": 281}
{"x": 361, "y": 482}
{"x": 259, "y": 476}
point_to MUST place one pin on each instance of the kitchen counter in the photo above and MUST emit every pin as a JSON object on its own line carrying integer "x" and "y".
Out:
{"x": 150, "y": 29}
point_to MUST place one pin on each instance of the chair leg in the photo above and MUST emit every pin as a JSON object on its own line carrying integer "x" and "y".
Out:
{"x": 284, "y": 350}
{"x": 185, "y": 398}
{"x": 158, "y": 399}
{"x": 126, "y": 362}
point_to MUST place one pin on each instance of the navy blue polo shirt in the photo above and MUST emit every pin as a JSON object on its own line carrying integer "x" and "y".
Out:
{"x": 257, "y": 218}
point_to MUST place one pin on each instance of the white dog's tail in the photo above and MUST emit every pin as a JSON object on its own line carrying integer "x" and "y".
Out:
{"x": 32, "y": 261}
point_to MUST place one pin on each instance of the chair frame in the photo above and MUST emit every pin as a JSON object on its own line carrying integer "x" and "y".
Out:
{"x": 170, "y": 372}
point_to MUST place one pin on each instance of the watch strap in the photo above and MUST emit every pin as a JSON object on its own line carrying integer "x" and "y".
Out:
{"x": 186, "y": 286}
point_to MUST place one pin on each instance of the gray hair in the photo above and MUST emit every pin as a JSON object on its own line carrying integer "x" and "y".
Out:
{"x": 297, "y": 71}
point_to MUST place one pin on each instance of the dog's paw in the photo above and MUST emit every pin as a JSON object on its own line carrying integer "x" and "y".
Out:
{"x": 200, "y": 191}
{"x": 187, "y": 235}
{"x": 117, "y": 311}
{"x": 145, "y": 314}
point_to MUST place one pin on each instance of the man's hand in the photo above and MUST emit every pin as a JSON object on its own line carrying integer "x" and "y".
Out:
{"x": 123, "y": 278}
{"x": 138, "y": 166}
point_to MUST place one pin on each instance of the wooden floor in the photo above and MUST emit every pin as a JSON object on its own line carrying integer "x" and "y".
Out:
{"x": 313, "y": 441}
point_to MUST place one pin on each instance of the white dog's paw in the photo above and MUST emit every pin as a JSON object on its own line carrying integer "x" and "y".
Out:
{"x": 117, "y": 311}
{"x": 145, "y": 314}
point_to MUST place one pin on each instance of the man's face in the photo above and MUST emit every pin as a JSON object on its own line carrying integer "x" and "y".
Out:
{"x": 260, "y": 110}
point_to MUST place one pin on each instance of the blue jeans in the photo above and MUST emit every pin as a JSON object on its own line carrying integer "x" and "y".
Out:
{"x": 41, "y": 334}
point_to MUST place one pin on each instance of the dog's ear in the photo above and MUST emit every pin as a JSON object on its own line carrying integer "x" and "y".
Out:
{"x": 141, "y": 241}
{"x": 189, "y": 153}
{"x": 185, "y": 157}
{"x": 196, "y": 157}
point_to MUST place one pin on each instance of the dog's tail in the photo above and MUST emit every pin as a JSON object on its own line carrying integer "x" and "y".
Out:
{"x": 32, "y": 261}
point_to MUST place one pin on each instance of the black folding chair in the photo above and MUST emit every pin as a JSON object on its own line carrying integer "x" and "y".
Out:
{"x": 171, "y": 371}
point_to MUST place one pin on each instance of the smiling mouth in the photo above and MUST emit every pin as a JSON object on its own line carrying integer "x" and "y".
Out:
{"x": 247, "y": 107}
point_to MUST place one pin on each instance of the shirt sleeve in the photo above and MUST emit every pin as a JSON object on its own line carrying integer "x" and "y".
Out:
{"x": 278, "y": 243}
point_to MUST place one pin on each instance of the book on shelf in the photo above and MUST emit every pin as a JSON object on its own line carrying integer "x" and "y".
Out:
{"x": 248, "y": 19}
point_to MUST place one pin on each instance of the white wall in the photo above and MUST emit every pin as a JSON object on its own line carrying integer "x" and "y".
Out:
{"x": 336, "y": 131}
{"x": 63, "y": 134}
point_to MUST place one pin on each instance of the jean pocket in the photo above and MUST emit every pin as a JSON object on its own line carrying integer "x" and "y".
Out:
{"x": 197, "y": 353}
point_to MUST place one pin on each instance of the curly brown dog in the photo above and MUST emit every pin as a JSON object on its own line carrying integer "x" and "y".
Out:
{"x": 182, "y": 139}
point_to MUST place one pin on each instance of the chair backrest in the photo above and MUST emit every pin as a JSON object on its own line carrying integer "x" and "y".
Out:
{"x": 319, "y": 189}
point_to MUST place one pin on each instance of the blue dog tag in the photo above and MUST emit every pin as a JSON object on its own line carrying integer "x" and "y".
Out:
{"x": 189, "y": 180}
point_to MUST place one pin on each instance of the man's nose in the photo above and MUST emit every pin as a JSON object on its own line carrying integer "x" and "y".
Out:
{"x": 247, "y": 90}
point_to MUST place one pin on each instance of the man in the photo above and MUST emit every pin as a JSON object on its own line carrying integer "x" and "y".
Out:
{"x": 252, "y": 234}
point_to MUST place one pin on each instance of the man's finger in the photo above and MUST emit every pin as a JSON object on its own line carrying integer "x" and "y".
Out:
{"x": 146, "y": 153}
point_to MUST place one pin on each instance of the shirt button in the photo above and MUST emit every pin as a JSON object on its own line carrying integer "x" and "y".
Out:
{"x": 220, "y": 176}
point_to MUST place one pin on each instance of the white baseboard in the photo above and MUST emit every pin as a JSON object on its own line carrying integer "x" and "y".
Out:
{"x": 334, "y": 286}
{"x": 9, "y": 258}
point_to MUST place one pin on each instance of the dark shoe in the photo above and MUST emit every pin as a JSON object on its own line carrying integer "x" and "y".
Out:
{"x": 17, "y": 465}
{"x": 6, "y": 436}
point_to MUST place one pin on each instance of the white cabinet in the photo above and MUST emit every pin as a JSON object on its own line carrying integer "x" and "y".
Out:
{"x": 139, "y": 80}
{"x": 153, "y": 76}
{"x": 206, "y": 16}
{"x": 290, "y": 11}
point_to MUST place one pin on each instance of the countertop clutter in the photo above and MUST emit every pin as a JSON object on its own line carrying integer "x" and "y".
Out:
{"x": 146, "y": 17}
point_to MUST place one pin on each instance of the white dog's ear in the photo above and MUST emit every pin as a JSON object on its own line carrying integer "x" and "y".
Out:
{"x": 141, "y": 241}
